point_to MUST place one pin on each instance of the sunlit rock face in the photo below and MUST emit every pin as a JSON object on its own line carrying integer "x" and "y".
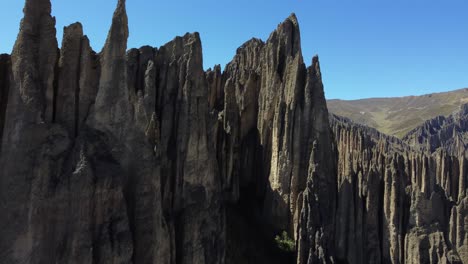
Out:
{"x": 141, "y": 156}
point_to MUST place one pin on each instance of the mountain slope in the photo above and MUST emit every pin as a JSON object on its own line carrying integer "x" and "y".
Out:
{"x": 399, "y": 115}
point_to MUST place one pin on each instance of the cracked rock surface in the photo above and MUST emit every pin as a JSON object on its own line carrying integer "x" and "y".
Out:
{"x": 142, "y": 156}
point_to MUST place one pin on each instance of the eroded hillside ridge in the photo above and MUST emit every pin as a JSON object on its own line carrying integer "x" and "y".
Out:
{"x": 140, "y": 156}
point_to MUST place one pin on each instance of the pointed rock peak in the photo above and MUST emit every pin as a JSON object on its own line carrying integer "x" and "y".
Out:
{"x": 118, "y": 33}
{"x": 315, "y": 60}
{"x": 121, "y": 5}
{"x": 316, "y": 65}
{"x": 120, "y": 14}
{"x": 120, "y": 10}
{"x": 293, "y": 19}
{"x": 288, "y": 36}
{"x": 112, "y": 96}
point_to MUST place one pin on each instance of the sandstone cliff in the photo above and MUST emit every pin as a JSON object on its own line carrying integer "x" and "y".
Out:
{"x": 140, "y": 156}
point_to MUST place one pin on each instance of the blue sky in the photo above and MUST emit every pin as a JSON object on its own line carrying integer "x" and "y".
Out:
{"x": 367, "y": 48}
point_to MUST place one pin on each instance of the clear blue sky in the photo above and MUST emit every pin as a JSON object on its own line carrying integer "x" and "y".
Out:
{"x": 367, "y": 48}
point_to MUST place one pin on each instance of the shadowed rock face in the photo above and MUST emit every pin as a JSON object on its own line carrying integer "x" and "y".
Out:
{"x": 140, "y": 156}
{"x": 5, "y": 76}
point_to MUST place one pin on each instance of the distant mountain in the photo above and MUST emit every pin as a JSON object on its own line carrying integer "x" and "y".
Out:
{"x": 399, "y": 115}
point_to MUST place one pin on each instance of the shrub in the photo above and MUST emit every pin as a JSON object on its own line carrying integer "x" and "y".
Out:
{"x": 285, "y": 243}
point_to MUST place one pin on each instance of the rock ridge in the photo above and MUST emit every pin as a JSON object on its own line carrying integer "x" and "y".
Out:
{"x": 141, "y": 156}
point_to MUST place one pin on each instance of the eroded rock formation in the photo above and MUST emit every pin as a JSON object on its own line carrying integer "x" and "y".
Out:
{"x": 396, "y": 205}
{"x": 140, "y": 156}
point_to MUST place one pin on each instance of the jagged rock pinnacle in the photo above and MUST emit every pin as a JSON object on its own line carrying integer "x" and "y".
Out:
{"x": 68, "y": 79}
{"x": 288, "y": 33}
{"x": 112, "y": 109}
{"x": 36, "y": 46}
{"x": 143, "y": 157}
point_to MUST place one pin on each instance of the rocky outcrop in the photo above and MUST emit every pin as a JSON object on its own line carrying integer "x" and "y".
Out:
{"x": 402, "y": 198}
{"x": 316, "y": 225}
{"x": 140, "y": 156}
{"x": 28, "y": 141}
{"x": 111, "y": 108}
{"x": 34, "y": 58}
{"x": 62, "y": 196}
{"x": 68, "y": 89}
{"x": 190, "y": 187}
{"x": 449, "y": 133}
{"x": 77, "y": 80}
{"x": 457, "y": 232}
{"x": 273, "y": 118}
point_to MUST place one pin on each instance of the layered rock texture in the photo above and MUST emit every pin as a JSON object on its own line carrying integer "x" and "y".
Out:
{"x": 141, "y": 156}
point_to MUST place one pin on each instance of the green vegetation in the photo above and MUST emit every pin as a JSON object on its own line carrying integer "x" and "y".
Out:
{"x": 285, "y": 243}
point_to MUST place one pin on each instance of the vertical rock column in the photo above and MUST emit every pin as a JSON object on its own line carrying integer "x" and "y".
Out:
{"x": 67, "y": 103}
{"x": 5, "y": 75}
{"x": 77, "y": 80}
{"x": 316, "y": 225}
{"x": 33, "y": 62}
{"x": 120, "y": 113}
{"x": 279, "y": 121}
{"x": 191, "y": 189}
{"x": 88, "y": 82}
{"x": 29, "y": 150}
{"x": 394, "y": 210}
{"x": 112, "y": 108}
